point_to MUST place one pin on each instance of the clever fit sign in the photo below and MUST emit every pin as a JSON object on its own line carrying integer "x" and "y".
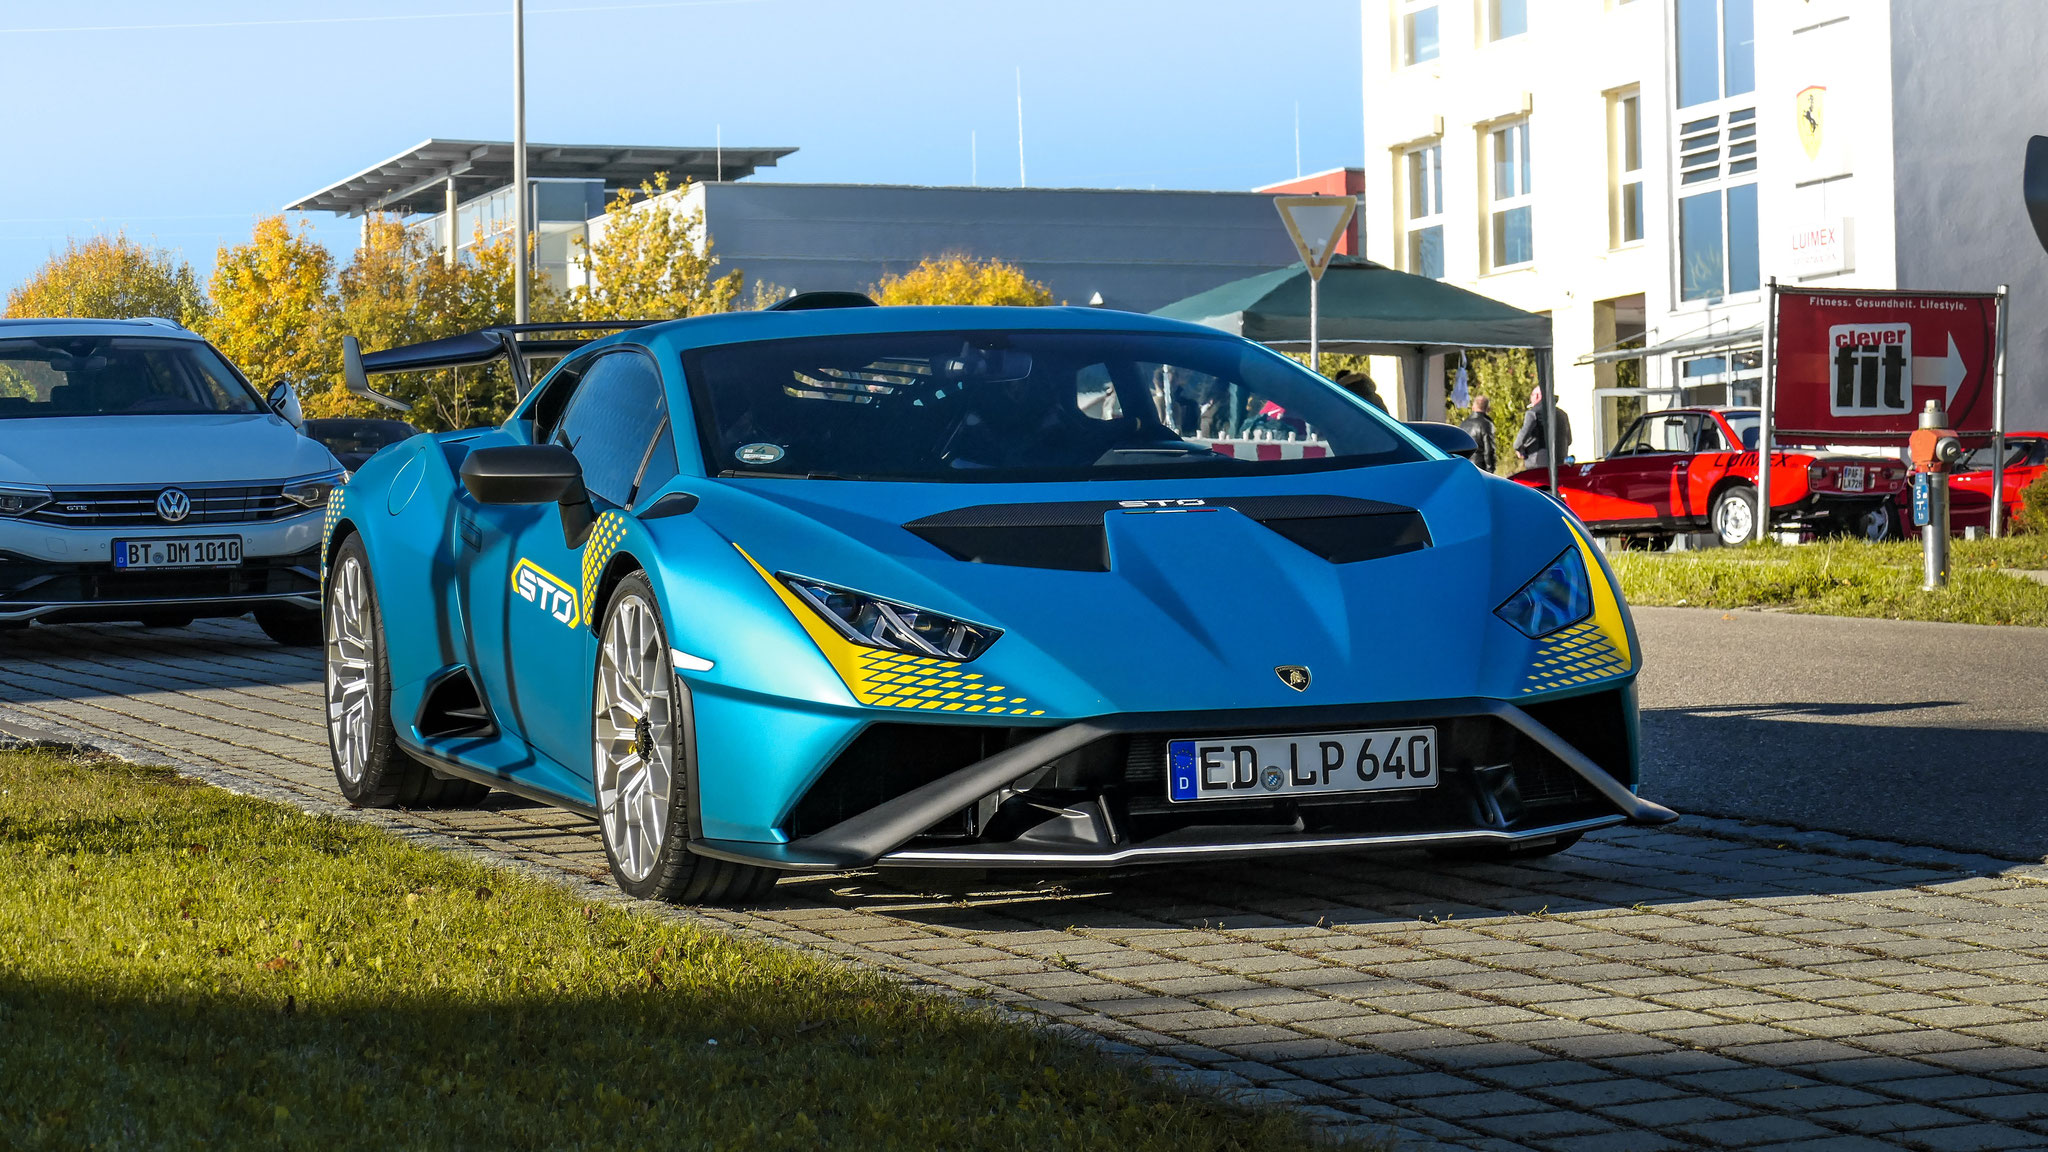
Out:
{"x": 1860, "y": 365}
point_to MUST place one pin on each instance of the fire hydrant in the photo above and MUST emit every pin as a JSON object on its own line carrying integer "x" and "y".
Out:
{"x": 1935, "y": 450}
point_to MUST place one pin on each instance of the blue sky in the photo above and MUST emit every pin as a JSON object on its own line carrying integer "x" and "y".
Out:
{"x": 183, "y": 136}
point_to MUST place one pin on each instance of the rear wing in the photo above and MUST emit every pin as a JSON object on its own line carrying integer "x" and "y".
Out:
{"x": 515, "y": 344}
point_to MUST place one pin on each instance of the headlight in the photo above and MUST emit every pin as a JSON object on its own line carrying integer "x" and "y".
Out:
{"x": 313, "y": 493}
{"x": 880, "y": 623}
{"x": 20, "y": 500}
{"x": 1561, "y": 595}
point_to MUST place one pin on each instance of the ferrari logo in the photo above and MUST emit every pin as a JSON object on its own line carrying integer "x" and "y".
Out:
{"x": 1812, "y": 107}
{"x": 1294, "y": 676}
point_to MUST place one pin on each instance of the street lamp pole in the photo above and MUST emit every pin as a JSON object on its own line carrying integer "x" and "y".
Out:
{"x": 522, "y": 227}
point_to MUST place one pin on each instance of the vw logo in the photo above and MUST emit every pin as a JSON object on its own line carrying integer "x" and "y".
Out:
{"x": 173, "y": 505}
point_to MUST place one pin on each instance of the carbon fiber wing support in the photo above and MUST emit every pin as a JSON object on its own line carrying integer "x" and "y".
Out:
{"x": 516, "y": 344}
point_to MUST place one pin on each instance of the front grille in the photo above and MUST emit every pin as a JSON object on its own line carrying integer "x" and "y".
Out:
{"x": 1127, "y": 774}
{"x": 136, "y": 507}
{"x": 28, "y": 583}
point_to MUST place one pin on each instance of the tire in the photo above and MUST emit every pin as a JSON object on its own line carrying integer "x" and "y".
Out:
{"x": 639, "y": 773}
{"x": 361, "y": 741}
{"x": 1733, "y": 515}
{"x": 1874, "y": 522}
{"x": 291, "y": 627}
{"x": 1502, "y": 853}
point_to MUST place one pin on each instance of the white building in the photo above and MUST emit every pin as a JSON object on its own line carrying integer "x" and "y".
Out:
{"x": 1640, "y": 169}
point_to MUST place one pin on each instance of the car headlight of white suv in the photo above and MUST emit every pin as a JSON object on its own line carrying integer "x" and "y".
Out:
{"x": 22, "y": 499}
{"x": 313, "y": 493}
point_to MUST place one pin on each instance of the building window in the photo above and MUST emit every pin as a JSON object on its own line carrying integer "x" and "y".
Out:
{"x": 1418, "y": 32}
{"x": 1717, "y": 243}
{"x": 1426, "y": 211}
{"x": 1716, "y": 50}
{"x": 1513, "y": 225}
{"x": 1505, "y": 18}
{"x": 1627, "y": 125}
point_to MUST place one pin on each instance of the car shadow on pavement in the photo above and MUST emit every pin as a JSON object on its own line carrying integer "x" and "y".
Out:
{"x": 80, "y": 661}
{"x": 1859, "y": 769}
{"x": 1623, "y": 871}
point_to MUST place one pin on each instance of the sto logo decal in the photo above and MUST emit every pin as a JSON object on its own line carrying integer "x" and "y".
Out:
{"x": 536, "y": 585}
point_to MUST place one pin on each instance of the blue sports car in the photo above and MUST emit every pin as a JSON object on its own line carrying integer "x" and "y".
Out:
{"x": 833, "y": 586}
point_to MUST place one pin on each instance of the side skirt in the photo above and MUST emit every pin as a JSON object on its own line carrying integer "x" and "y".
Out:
{"x": 449, "y": 766}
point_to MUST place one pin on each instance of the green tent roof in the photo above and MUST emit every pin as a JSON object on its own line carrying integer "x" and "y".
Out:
{"x": 1366, "y": 307}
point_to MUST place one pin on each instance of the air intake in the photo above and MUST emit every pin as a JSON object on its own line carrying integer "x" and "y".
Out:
{"x": 1069, "y": 536}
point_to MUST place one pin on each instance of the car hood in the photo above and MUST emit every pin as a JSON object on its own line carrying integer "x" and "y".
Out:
{"x": 1197, "y": 611}
{"x": 102, "y": 451}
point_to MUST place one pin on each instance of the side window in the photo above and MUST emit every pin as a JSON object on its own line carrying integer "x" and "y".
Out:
{"x": 554, "y": 396}
{"x": 611, "y": 418}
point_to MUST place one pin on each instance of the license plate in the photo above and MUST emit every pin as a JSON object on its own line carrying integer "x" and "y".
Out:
{"x": 189, "y": 552}
{"x": 1853, "y": 478}
{"x": 1257, "y": 767}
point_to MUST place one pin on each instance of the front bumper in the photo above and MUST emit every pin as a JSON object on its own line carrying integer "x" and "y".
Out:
{"x": 1087, "y": 800}
{"x": 60, "y": 574}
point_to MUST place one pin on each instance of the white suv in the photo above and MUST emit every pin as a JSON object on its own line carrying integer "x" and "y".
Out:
{"x": 143, "y": 478}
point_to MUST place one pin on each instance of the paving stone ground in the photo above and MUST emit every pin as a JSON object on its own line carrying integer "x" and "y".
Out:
{"x": 1716, "y": 985}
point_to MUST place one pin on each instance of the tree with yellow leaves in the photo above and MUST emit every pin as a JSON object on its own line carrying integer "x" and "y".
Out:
{"x": 957, "y": 278}
{"x": 114, "y": 278}
{"x": 273, "y": 307}
{"x": 650, "y": 260}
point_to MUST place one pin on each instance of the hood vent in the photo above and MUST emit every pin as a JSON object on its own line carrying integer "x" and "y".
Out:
{"x": 1070, "y": 537}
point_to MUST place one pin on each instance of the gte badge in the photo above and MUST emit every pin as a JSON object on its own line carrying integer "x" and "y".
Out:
{"x": 536, "y": 585}
{"x": 1872, "y": 369}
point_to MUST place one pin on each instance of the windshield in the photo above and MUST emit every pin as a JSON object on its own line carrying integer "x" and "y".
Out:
{"x": 968, "y": 406}
{"x": 2020, "y": 452}
{"x": 117, "y": 376}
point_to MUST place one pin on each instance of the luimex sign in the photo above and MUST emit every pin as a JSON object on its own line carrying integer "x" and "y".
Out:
{"x": 1857, "y": 366}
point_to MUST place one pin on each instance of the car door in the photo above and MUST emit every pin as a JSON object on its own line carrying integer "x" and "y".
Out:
{"x": 1634, "y": 483}
{"x": 612, "y": 422}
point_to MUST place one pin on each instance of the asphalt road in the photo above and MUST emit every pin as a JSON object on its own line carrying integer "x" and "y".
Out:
{"x": 1922, "y": 733}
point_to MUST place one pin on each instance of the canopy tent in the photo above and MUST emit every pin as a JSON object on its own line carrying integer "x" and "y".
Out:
{"x": 1372, "y": 309}
{"x": 1366, "y": 308}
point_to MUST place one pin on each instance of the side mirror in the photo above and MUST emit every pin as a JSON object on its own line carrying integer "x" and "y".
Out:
{"x": 532, "y": 474}
{"x": 285, "y": 402}
{"x": 1445, "y": 437}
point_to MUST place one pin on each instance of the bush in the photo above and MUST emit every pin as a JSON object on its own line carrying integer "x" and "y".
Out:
{"x": 2031, "y": 516}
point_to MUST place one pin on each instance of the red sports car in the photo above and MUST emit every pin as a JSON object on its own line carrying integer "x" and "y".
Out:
{"x": 1694, "y": 470}
{"x": 1969, "y": 490}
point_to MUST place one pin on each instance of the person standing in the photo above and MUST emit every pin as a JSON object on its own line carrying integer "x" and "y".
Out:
{"x": 1532, "y": 443}
{"x": 1479, "y": 426}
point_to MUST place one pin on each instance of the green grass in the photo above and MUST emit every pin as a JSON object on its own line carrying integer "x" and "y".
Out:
{"x": 1847, "y": 578}
{"x": 185, "y": 968}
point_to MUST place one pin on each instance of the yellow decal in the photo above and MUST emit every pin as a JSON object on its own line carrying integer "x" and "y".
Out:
{"x": 536, "y": 585}
{"x": 605, "y": 537}
{"x": 885, "y": 679}
{"x": 1595, "y": 648}
{"x": 335, "y": 500}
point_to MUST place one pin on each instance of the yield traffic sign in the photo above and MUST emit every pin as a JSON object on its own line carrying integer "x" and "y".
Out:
{"x": 1315, "y": 224}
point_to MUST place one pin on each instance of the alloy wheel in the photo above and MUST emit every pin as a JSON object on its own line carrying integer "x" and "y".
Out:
{"x": 351, "y": 669}
{"x": 635, "y": 737}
